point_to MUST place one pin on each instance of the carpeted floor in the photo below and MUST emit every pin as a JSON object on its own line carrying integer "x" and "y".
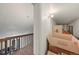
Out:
{"x": 28, "y": 50}
{"x": 51, "y": 53}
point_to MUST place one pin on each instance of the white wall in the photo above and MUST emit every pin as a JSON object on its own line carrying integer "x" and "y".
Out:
{"x": 16, "y": 19}
{"x": 42, "y": 26}
{"x": 37, "y": 28}
{"x": 47, "y": 25}
{"x": 75, "y": 28}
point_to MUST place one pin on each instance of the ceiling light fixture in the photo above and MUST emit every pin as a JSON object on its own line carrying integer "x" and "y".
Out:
{"x": 51, "y": 15}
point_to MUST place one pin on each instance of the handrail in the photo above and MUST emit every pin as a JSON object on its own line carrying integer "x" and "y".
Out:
{"x": 7, "y": 38}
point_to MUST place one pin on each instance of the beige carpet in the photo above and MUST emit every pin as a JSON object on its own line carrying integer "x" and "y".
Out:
{"x": 28, "y": 50}
{"x": 51, "y": 53}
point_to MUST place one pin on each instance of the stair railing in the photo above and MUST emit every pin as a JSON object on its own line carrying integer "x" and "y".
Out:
{"x": 9, "y": 45}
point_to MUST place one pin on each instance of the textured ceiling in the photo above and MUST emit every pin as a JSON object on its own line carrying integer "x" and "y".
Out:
{"x": 16, "y": 18}
{"x": 66, "y": 12}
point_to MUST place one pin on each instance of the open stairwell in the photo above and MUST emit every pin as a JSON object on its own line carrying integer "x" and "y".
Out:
{"x": 17, "y": 45}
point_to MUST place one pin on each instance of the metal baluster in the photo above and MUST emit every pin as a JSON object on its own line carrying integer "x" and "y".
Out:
{"x": 21, "y": 42}
{"x": 26, "y": 40}
{"x": 19, "y": 39}
{"x": 3, "y": 51}
{"x": 10, "y": 48}
{"x": 31, "y": 39}
{"x": 18, "y": 43}
{"x": 13, "y": 44}
{"x": 6, "y": 47}
{"x": 1, "y": 48}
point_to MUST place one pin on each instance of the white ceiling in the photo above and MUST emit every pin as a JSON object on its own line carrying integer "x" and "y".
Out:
{"x": 19, "y": 17}
{"x": 16, "y": 18}
{"x": 66, "y": 13}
